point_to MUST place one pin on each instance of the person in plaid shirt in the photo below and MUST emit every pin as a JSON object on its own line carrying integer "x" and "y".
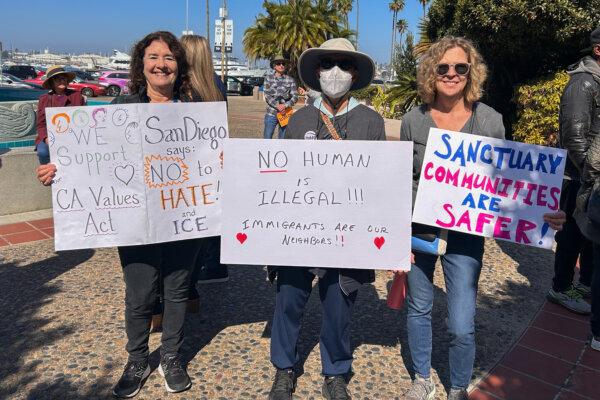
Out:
{"x": 280, "y": 92}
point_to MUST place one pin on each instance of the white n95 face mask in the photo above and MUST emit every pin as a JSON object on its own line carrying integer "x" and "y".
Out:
{"x": 335, "y": 82}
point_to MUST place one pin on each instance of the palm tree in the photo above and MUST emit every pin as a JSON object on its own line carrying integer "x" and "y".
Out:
{"x": 343, "y": 7}
{"x": 395, "y": 7}
{"x": 401, "y": 27}
{"x": 291, "y": 28}
{"x": 424, "y": 4}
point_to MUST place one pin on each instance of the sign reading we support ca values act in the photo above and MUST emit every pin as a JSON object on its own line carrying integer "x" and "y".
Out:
{"x": 317, "y": 203}
{"x": 134, "y": 174}
{"x": 489, "y": 187}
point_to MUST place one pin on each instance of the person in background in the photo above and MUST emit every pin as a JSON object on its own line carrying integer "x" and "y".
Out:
{"x": 450, "y": 80}
{"x": 587, "y": 206}
{"x": 280, "y": 93}
{"x": 334, "y": 69}
{"x": 205, "y": 86}
{"x": 579, "y": 120}
{"x": 57, "y": 81}
{"x": 159, "y": 74}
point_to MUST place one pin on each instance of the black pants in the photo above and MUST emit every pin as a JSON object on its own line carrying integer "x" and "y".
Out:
{"x": 571, "y": 244}
{"x": 209, "y": 256}
{"x": 145, "y": 269}
{"x": 595, "y": 319}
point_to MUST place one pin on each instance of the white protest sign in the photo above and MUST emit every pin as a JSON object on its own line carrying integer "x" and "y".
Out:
{"x": 133, "y": 174}
{"x": 489, "y": 187}
{"x": 317, "y": 203}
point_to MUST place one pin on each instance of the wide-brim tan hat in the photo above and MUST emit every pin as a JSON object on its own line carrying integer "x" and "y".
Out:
{"x": 54, "y": 71}
{"x": 310, "y": 59}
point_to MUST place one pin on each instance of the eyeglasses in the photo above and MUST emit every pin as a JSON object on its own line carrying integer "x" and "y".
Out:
{"x": 460, "y": 68}
{"x": 279, "y": 63}
{"x": 344, "y": 64}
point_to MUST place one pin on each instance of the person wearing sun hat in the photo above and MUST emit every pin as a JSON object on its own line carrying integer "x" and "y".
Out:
{"x": 57, "y": 82}
{"x": 333, "y": 69}
{"x": 280, "y": 94}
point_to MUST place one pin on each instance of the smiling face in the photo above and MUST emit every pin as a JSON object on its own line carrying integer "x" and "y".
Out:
{"x": 59, "y": 84}
{"x": 451, "y": 84}
{"x": 160, "y": 66}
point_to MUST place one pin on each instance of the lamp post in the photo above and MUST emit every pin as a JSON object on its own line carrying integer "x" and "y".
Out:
{"x": 223, "y": 15}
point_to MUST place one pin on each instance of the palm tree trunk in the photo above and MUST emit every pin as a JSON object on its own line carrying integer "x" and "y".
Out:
{"x": 393, "y": 41}
{"x": 357, "y": 14}
{"x": 207, "y": 24}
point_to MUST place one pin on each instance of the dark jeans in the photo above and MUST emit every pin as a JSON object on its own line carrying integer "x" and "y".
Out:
{"x": 595, "y": 319}
{"x": 294, "y": 285}
{"x": 43, "y": 152}
{"x": 271, "y": 123}
{"x": 146, "y": 269}
{"x": 571, "y": 244}
{"x": 462, "y": 267}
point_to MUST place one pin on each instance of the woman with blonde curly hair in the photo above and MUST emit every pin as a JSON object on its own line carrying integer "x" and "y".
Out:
{"x": 450, "y": 78}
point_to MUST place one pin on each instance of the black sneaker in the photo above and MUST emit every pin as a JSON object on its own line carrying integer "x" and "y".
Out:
{"x": 132, "y": 380}
{"x": 176, "y": 378}
{"x": 335, "y": 388}
{"x": 213, "y": 275}
{"x": 284, "y": 385}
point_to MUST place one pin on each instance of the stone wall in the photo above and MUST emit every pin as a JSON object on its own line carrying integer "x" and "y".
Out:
{"x": 20, "y": 190}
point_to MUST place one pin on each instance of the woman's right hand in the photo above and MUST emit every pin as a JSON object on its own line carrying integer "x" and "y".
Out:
{"x": 46, "y": 173}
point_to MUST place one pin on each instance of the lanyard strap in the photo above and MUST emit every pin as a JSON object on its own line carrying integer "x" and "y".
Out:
{"x": 330, "y": 126}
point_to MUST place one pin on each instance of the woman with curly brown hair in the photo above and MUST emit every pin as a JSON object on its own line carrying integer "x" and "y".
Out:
{"x": 450, "y": 80}
{"x": 158, "y": 75}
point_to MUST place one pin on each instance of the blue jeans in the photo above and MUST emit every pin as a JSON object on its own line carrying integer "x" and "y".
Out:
{"x": 462, "y": 266}
{"x": 43, "y": 152}
{"x": 270, "y": 123}
{"x": 294, "y": 285}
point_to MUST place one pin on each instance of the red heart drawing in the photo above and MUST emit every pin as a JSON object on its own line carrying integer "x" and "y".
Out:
{"x": 241, "y": 237}
{"x": 379, "y": 241}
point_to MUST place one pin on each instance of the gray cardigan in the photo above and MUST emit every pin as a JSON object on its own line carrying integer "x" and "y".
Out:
{"x": 484, "y": 121}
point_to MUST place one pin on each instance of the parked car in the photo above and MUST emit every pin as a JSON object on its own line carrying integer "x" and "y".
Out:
{"x": 10, "y": 81}
{"x": 235, "y": 85}
{"x": 254, "y": 80}
{"x": 115, "y": 82}
{"x": 20, "y": 71}
{"x": 88, "y": 89}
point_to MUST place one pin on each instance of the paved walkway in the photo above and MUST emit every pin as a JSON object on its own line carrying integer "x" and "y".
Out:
{"x": 63, "y": 325}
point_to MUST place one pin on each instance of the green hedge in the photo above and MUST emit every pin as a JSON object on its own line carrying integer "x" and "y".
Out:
{"x": 537, "y": 110}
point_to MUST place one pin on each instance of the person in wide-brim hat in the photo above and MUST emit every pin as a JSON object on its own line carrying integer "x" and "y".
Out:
{"x": 310, "y": 60}
{"x": 279, "y": 57}
{"x": 54, "y": 71}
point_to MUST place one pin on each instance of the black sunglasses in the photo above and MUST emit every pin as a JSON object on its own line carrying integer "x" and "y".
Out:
{"x": 344, "y": 64}
{"x": 460, "y": 68}
{"x": 279, "y": 63}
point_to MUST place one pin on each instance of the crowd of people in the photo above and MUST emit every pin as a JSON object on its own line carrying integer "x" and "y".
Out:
{"x": 160, "y": 278}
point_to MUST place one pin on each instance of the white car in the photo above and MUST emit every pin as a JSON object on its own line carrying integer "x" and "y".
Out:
{"x": 9, "y": 81}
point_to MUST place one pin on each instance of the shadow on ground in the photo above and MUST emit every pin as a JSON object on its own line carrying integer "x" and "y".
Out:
{"x": 24, "y": 289}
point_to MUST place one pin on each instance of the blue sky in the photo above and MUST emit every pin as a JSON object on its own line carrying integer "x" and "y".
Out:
{"x": 78, "y": 26}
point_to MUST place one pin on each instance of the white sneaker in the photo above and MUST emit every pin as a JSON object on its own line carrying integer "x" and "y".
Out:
{"x": 595, "y": 343}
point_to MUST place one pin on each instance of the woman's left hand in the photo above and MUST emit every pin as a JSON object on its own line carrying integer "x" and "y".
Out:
{"x": 556, "y": 220}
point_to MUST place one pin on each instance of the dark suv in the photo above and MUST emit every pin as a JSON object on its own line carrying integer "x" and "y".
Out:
{"x": 20, "y": 71}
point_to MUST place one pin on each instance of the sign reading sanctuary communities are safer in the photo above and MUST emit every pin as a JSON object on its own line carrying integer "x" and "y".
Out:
{"x": 489, "y": 187}
{"x": 317, "y": 203}
{"x": 133, "y": 174}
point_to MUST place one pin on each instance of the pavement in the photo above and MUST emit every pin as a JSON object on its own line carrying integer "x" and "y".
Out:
{"x": 62, "y": 334}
